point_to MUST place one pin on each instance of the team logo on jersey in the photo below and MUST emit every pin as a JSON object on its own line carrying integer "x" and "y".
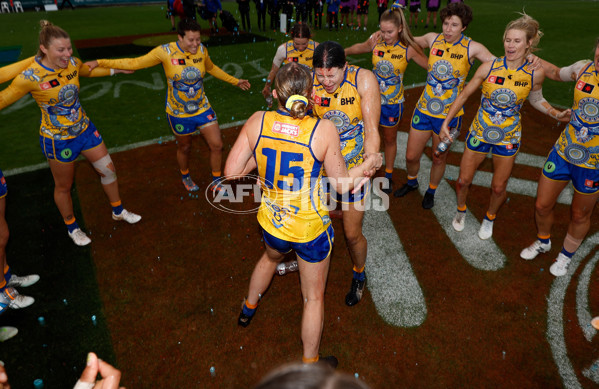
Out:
{"x": 190, "y": 74}
{"x": 49, "y": 84}
{"x": 176, "y": 61}
{"x": 384, "y": 69}
{"x": 583, "y": 86}
{"x": 379, "y": 53}
{"x": 292, "y": 59}
{"x": 339, "y": 119}
{"x": 442, "y": 70}
{"x": 496, "y": 80}
{"x": 588, "y": 109}
{"x": 285, "y": 129}
{"x": 437, "y": 52}
{"x": 503, "y": 97}
{"x": 576, "y": 154}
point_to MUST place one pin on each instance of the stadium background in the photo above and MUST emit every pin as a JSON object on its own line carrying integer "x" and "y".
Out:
{"x": 165, "y": 293}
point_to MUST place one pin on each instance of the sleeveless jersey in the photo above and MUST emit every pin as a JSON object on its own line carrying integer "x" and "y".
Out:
{"x": 184, "y": 73}
{"x": 56, "y": 92}
{"x": 579, "y": 142}
{"x": 503, "y": 93}
{"x": 390, "y": 63}
{"x": 301, "y": 57}
{"x": 343, "y": 108}
{"x": 448, "y": 66}
{"x": 293, "y": 202}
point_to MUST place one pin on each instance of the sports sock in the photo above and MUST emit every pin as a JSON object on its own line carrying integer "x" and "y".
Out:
{"x": 359, "y": 274}
{"x": 71, "y": 224}
{"x": 7, "y": 274}
{"x": 184, "y": 173}
{"x": 413, "y": 181}
{"x": 388, "y": 173}
{"x": 431, "y": 189}
{"x": 462, "y": 208}
{"x": 567, "y": 253}
{"x": 216, "y": 176}
{"x": 490, "y": 217}
{"x": 117, "y": 207}
{"x": 310, "y": 360}
{"x": 543, "y": 239}
{"x": 249, "y": 309}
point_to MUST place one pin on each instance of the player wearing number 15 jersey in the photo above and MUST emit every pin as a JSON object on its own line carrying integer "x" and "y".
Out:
{"x": 290, "y": 149}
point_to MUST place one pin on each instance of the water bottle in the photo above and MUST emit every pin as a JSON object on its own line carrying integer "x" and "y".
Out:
{"x": 287, "y": 267}
{"x": 444, "y": 145}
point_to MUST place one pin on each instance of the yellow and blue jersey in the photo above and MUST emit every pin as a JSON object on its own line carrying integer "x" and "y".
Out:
{"x": 301, "y": 57}
{"x": 56, "y": 92}
{"x": 504, "y": 91}
{"x": 389, "y": 65}
{"x": 343, "y": 108}
{"x": 9, "y": 72}
{"x": 185, "y": 76}
{"x": 293, "y": 203}
{"x": 448, "y": 67}
{"x": 579, "y": 142}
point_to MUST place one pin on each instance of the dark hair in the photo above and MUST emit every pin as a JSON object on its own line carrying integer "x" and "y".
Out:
{"x": 329, "y": 54}
{"x": 309, "y": 376}
{"x": 48, "y": 33}
{"x": 300, "y": 30}
{"x": 293, "y": 79}
{"x": 187, "y": 25}
{"x": 461, "y": 10}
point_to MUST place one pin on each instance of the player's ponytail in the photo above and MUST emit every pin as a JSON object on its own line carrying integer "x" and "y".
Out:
{"x": 293, "y": 84}
{"x": 49, "y": 32}
{"x": 396, "y": 16}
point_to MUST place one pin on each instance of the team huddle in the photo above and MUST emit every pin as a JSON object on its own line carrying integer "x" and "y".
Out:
{"x": 323, "y": 140}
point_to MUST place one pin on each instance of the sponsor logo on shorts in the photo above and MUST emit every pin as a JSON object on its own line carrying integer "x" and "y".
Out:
{"x": 210, "y": 117}
{"x": 179, "y": 128}
{"x": 496, "y": 80}
{"x": 591, "y": 184}
{"x": 2, "y": 180}
{"x": 97, "y": 134}
{"x": 49, "y": 84}
{"x": 583, "y": 86}
{"x": 416, "y": 119}
{"x": 391, "y": 119}
{"x": 549, "y": 167}
{"x": 285, "y": 129}
{"x": 66, "y": 153}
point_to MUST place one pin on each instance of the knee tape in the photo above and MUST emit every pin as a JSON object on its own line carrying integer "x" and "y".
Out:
{"x": 105, "y": 169}
{"x": 571, "y": 244}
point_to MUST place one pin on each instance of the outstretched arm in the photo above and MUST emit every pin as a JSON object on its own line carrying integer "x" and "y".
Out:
{"x": 240, "y": 161}
{"x": 567, "y": 73}
{"x": 418, "y": 57}
{"x": 480, "y": 52}
{"x": 361, "y": 48}
{"x": 9, "y": 72}
{"x": 537, "y": 100}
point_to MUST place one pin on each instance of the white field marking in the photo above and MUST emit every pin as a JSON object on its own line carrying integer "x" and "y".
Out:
{"x": 555, "y": 315}
{"x": 592, "y": 372}
{"x": 392, "y": 283}
{"x": 113, "y": 150}
{"x": 157, "y": 84}
{"x": 582, "y": 300}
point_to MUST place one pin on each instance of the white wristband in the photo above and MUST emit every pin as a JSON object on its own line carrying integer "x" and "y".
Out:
{"x": 112, "y": 72}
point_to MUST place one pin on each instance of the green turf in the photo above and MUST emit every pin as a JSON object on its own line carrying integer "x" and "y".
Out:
{"x": 66, "y": 296}
{"x": 138, "y": 114}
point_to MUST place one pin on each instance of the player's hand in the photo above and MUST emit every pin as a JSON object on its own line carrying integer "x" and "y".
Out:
{"x": 266, "y": 91}
{"x": 535, "y": 62}
{"x": 92, "y": 65}
{"x": 110, "y": 375}
{"x": 244, "y": 84}
{"x": 3, "y": 378}
{"x": 444, "y": 133}
{"x": 564, "y": 116}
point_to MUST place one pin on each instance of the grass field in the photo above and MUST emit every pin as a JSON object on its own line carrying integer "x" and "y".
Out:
{"x": 80, "y": 283}
{"x": 137, "y": 113}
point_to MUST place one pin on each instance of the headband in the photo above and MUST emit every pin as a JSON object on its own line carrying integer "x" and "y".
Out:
{"x": 293, "y": 98}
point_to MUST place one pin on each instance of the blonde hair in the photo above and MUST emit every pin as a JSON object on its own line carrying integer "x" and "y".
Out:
{"x": 48, "y": 33}
{"x": 293, "y": 79}
{"x": 530, "y": 27}
{"x": 396, "y": 16}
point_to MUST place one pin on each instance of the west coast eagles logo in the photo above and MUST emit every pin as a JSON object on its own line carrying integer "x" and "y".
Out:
{"x": 339, "y": 119}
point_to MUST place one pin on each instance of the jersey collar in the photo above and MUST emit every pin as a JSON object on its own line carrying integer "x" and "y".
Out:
{"x": 38, "y": 60}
